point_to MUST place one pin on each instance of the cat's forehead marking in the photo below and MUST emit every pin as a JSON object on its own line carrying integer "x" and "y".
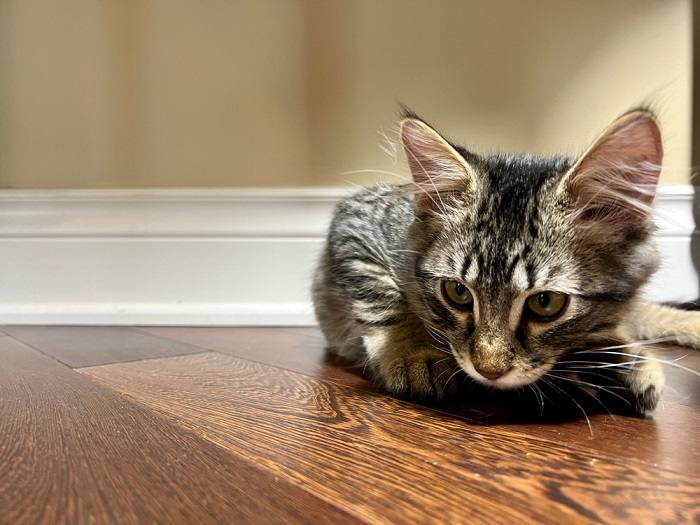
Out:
{"x": 519, "y": 280}
{"x": 506, "y": 239}
{"x": 563, "y": 280}
{"x": 469, "y": 269}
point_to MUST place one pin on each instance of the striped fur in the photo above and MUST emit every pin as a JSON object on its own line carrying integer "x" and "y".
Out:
{"x": 507, "y": 227}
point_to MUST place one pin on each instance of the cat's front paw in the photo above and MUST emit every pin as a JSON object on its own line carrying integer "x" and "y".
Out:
{"x": 645, "y": 382}
{"x": 422, "y": 373}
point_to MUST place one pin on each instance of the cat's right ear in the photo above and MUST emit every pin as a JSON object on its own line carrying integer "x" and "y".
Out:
{"x": 438, "y": 169}
{"x": 613, "y": 183}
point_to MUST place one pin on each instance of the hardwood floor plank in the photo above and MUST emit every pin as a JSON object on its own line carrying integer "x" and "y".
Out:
{"x": 391, "y": 461}
{"x": 79, "y": 346}
{"x": 682, "y": 387}
{"x": 72, "y": 451}
{"x": 667, "y": 440}
{"x": 298, "y": 349}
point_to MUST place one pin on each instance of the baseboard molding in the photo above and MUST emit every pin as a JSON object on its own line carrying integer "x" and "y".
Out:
{"x": 206, "y": 256}
{"x": 154, "y": 314}
{"x": 173, "y": 213}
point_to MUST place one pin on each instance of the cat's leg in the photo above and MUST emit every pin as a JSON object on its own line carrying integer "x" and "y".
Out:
{"x": 652, "y": 321}
{"x": 633, "y": 375}
{"x": 408, "y": 363}
{"x": 385, "y": 339}
{"x": 363, "y": 313}
{"x": 643, "y": 376}
{"x": 645, "y": 383}
{"x": 332, "y": 305}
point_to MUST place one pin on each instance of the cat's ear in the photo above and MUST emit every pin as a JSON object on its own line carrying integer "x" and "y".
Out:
{"x": 437, "y": 168}
{"x": 614, "y": 181}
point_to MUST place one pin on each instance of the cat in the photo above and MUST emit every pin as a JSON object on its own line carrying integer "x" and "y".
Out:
{"x": 512, "y": 269}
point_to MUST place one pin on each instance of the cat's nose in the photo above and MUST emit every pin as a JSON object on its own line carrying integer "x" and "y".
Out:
{"x": 491, "y": 373}
{"x": 491, "y": 356}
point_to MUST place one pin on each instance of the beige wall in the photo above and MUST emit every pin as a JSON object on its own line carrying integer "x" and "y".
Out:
{"x": 152, "y": 93}
{"x": 282, "y": 92}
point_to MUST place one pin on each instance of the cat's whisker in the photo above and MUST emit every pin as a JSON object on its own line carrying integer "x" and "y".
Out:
{"x": 590, "y": 372}
{"x": 581, "y": 381}
{"x": 360, "y": 186}
{"x": 561, "y": 390}
{"x": 457, "y": 371}
{"x": 535, "y": 394}
{"x": 537, "y": 397}
{"x": 442, "y": 374}
{"x": 435, "y": 333}
{"x": 668, "y": 362}
{"x": 618, "y": 368}
{"x": 541, "y": 391}
{"x": 366, "y": 363}
{"x": 591, "y": 394}
{"x": 587, "y": 372}
{"x": 639, "y": 358}
{"x": 586, "y": 364}
{"x": 449, "y": 355}
{"x": 577, "y": 365}
{"x": 593, "y": 364}
{"x": 433, "y": 330}
{"x": 600, "y": 402}
{"x": 592, "y": 385}
{"x": 435, "y": 338}
{"x": 645, "y": 342}
{"x": 377, "y": 171}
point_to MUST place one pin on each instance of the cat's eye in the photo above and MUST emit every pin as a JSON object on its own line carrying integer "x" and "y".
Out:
{"x": 546, "y": 306}
{"x": 457, "y": 294}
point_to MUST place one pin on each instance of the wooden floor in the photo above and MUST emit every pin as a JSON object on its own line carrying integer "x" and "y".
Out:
{"x": 232, "y": 425}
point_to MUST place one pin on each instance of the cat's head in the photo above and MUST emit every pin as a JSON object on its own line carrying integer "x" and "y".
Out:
{"x": 522, "y": 259}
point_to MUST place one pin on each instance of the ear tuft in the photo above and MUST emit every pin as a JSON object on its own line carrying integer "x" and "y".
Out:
{"x": 614, "y": 181}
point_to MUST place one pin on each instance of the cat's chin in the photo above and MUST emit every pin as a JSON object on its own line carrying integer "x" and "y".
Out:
{"x": 514, "y": 378}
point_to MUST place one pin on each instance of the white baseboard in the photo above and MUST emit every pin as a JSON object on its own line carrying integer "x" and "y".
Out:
{"x": 152, "y": 314}
{"x": 205, "y": 256}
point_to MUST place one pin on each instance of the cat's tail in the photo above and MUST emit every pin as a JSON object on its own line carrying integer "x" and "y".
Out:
{"x": 677, "y": 323}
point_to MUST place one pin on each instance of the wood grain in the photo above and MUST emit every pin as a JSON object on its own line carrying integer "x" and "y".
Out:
{"x": 666, "y": 440}
{"x": 73, "y": 452}
{"x": 390, "y": 461}
{"x": 96, "y": 345}
{"x": 298, "y": 349}
{"x": 683, "y": 388}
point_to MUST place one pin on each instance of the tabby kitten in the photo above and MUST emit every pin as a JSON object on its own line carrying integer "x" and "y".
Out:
{"x": 508, "y": 268}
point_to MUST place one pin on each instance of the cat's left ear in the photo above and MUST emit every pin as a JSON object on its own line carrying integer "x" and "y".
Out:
{"x": 614, "y": 181}
{"x": 438, "y": 169}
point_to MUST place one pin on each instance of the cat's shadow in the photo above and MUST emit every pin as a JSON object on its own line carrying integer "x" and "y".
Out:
{"x": 480, "y": 405}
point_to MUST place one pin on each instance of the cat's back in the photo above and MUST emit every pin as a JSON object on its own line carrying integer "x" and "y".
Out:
{"x": 356, "y": 282}
{"x": 373, "y": 220}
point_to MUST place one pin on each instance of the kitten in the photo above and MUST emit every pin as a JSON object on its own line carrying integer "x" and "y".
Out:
{"x": 514, "y": 269}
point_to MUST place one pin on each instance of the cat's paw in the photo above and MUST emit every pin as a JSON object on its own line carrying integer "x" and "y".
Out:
{"x": 422, "y": 373}
{"x": 645, "y": 382}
